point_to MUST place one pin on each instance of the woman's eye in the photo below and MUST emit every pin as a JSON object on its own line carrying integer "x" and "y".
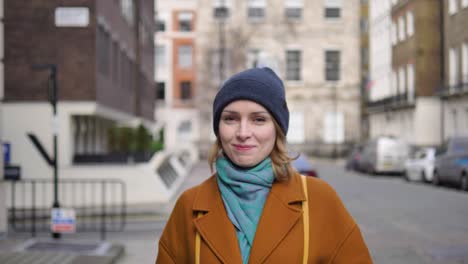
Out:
{"x": 228, "y": 118}
{"x": 260, "y": 120}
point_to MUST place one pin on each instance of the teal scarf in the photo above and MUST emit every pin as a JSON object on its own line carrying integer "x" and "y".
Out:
{"x": 244, "y": 192}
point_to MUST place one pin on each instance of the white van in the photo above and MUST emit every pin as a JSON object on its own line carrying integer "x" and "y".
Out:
{"x": 384, "y": 155}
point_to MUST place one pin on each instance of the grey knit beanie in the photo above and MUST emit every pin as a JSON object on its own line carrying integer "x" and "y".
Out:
{"x": 260, "y": 85}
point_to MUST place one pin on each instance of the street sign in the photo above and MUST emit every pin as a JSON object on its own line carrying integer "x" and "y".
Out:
{"x": 63, "y": 220}
{"x": 12, "y": 173}
{"x": 6, "y": 153}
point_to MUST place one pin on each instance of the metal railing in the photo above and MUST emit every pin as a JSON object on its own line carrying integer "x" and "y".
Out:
{"x": 99, "y": 204}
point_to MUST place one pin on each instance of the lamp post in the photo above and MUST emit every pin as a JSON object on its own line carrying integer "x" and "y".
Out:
{"x": 52, "y": 93}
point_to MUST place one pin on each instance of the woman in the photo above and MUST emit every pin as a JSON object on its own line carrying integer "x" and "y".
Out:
{"x": 254, "y": 209}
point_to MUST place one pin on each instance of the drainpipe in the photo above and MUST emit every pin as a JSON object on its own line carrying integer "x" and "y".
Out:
{"x": 442, "y": 69}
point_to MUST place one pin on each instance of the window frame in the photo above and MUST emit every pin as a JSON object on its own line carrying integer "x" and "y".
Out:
{"x": 329, "y": 74}
{"x": 332, "y": 5}
{"x": 293, "y": 5}
{"x": 296, "y": 69}
{"x": 188, "y": 55}
{"x": 259, "y": 5}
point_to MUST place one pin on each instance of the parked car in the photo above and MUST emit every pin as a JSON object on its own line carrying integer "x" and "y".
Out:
{"x": 420, "y": 166}
{"x": 384, "y": 155}
{"x": 451, "y": 164}
{"x": 354, "y": 159}
{"x": 303, "y": 165}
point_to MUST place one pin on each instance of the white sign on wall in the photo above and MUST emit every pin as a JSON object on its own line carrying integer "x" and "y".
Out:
{"x": 296, "y": 128}
{"x": 71, "y": 16}
{"x": 333, "y": 131}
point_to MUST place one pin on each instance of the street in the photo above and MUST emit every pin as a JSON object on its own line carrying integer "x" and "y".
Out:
{"x": 401, "y": 222}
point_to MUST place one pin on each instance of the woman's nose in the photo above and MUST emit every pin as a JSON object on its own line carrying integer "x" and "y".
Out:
{"x": 244, "y": 130}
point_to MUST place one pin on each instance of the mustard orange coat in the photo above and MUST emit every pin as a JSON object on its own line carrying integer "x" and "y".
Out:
{"x": 334, "y": 235}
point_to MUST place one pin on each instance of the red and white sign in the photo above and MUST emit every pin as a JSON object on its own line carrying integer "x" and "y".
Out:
{"x": 63, "y": 220}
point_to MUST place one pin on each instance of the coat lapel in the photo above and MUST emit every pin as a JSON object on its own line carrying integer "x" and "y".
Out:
{"x": 214, "y": 226}
{"x": 278, "y": 217}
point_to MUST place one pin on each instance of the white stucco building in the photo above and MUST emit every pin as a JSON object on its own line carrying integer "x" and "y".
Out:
{"x": 312, "y": 45}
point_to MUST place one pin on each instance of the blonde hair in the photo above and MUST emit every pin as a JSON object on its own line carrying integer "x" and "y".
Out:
{"x": 281, "y": 162}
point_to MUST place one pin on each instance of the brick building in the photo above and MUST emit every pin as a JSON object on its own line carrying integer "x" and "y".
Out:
{"x": 403, "y": 99}
{"x": 454, "y": 92}
{"x": 176, "y": 72}
{"x": 103, "y": 51}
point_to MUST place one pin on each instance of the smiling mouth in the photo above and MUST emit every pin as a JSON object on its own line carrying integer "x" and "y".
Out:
{"x": 243, "y": 147}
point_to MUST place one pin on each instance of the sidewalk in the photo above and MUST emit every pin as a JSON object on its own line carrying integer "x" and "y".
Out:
{"x": 29, "y": 251}
{"x": 136, "y": 244}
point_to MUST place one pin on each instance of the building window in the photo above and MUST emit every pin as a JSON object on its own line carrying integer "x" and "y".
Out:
{"x": 410, "y": 79}
{"x": 126, "y": 7}
{"x": 160, "y": 90}
{"x": 160, "y": 25}
{"x": 185, "y": 56}
{"x": 401, "y": 81}
{"x": 160, "y": 56}
{"x": 103, "y": 47}
{"x": 293, "y": 65}
{"x": 185, "y": 90}
{"x": 252, "y": 58}
{"x": 394, "y": 33}
{"x": 332, "y": 8}
{"x": 115, "y": 61}
{"x": 185, "y": 21}
{"x": 221, "y": 9}
{"x": 410, "y": 24}
{"x": 465, "y": 63}
{"x": 464, "y": 3}
{"x": 401, "y": 28}
{"x": 452, "y": 6}
{"x": 256, "y": 10}
{"x": 293, "y": 9}
{"x": 453, "y": 67}
{"x": 332, "y": 65}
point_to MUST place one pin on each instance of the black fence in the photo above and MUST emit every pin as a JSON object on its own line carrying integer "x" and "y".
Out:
{"x": 99, "y": 204}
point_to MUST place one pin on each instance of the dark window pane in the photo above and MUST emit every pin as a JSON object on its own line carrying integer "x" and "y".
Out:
{"x": 332, "y": 65}
{"x": 332, "y": 12}
{"x": 160, "y": 91}
{"x": 185, "y": 25}
{"x": 293, "y": 65}
{"x": 160, "y": 25}
{"x": 221, "y": 12}
{"x": 185, "y": 90}
{"x": 293, "y": 12}
{"x": 255, "y": 12}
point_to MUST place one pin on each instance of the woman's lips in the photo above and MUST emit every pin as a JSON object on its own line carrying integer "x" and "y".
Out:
{"x": 239, "y": 147}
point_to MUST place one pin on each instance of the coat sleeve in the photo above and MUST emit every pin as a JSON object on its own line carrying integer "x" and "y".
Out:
{"x": 175, "y": 244}
{"x": 164, "y": 256}
{"x": 353, "y": 250}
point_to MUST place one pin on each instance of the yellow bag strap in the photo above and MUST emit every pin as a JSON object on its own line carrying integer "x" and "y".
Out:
{"x": 305, "y": 215}
{"x": 197, "y": 242}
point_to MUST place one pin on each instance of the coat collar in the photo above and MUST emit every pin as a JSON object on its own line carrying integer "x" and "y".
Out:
{"x": 219, "y": 234}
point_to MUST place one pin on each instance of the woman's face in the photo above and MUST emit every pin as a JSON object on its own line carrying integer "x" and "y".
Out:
{"x": 247, "y": 132}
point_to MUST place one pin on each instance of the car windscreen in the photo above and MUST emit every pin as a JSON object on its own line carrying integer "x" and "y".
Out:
{"x": 460, "y": 146}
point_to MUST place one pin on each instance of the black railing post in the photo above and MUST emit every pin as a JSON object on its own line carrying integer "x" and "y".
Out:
{"x": 13, "y": 206}
{"x": 33, "y": 208}
{"x": 103, "y": 213}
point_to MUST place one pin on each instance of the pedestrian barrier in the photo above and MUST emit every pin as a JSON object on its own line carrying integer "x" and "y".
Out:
{"x": 99, "y": 204}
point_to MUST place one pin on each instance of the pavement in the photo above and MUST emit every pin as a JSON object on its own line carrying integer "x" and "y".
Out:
{"x": 136, "y": 244}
